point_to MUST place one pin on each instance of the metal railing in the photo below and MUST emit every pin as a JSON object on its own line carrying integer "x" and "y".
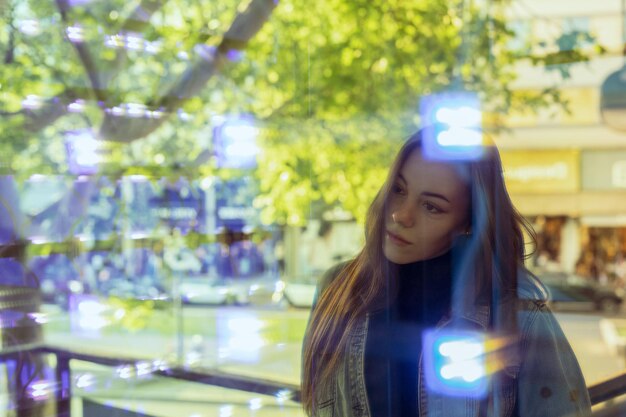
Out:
{"x": 608, "y": 389}
{"x": 601, "y": 392}
{"x": 63, "y": 391}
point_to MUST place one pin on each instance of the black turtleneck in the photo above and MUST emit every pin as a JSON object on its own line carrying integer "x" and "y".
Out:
{"x": 394, "y": 341}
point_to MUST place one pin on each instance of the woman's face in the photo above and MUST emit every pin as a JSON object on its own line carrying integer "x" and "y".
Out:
{"x": 428, "y": 206}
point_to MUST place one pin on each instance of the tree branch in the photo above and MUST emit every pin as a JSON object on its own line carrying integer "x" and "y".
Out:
{"x": 124, "y": 129}
{"x": 54, "y": 109}
{"x": 9, "y": 56}
{"x": 243, "y": 28}
{"x": 50, "y": 112}
{"x": 84, "y": 55}
{"x": 137, "y": 22}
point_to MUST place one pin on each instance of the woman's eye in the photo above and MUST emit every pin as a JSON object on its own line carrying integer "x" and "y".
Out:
{"x": 397, "y": 189}
{"x": 432, "y": 209}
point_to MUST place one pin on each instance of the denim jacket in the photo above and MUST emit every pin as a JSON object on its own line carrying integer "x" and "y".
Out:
{"x": 543, "y": 380}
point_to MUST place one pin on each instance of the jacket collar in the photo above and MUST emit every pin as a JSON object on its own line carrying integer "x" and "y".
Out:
{"x": 479, "y": 314}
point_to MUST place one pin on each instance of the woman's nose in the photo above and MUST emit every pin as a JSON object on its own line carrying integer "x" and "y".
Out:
{"x": 404, "y": 215}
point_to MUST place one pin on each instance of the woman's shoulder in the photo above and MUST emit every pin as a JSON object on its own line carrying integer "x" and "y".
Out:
{"x": 327, "y": 278}
{"x": 330, "y": 274}
{"x": 530, "y": 289}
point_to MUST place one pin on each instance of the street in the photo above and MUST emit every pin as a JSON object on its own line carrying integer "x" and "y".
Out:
{"x": 262, "y": 343}
{"x": 594, "y": 356}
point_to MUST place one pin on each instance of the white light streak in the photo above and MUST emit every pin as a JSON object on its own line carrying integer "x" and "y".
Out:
{"x": 255, "y": 404}
{"x": 226, "y": 411}
{"x": 32, "y": 102}
{"x": 469, "y": 371}
{"x": 85, "y": 381}
{"x": 462, "y": 117}
{"x": 30, "y": 27}
{"x": 458, "y": 136}
{"x": 77, "y": 106}
{"x": 75, "y": 34}
{"x": 461, "y": 349}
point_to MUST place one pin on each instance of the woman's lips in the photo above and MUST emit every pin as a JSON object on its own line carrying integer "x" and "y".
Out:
{"x": 397, "y": 239}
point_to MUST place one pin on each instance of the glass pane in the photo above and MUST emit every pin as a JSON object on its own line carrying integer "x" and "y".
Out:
{"x": 176, "y": 179}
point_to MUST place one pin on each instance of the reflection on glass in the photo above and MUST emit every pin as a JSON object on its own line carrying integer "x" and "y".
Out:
{"x": 240, "y": 337}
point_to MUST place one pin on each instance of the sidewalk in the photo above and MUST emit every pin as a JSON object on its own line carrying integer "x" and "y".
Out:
{"x": 279, "y": 362}
{"x": 165, "y": 397}
{"x": 614, "y": 334}
{"x": 257, "y": 344}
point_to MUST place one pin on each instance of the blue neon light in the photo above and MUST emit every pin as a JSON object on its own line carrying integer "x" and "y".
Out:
{"x": 453, "y": 126}
{"x": 83, "y": 152}
{"x": 235, "y": 142}
{"x": 454, "y": 363}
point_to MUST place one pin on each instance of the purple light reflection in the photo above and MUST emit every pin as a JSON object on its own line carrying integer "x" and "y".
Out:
{"x": 83, "y": 152}
{"x": 77, "y": 106}
{"x": 39, "y": 318}
{"x": 234, "y": 55}
{"x": 32, "y": 102}
{"x": 134, "y": 41}
{"x": 75, "y": 34}
{"x": 206, "y": 52}
{"x": 114, "y": 41}
{"x": 153, "y": 47}
{"x": 85, "y": 381}
{"x": 30, "y": 27}
{"x": 135, "y": 110}
{"x": 41, "y": 390}
{"x": 184, "y": 116}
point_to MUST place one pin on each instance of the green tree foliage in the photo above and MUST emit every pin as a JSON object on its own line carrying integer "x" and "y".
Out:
{"x": 335, "y": 85}
{"x": 130, "y": 67}
{"x": 338, "y": 88}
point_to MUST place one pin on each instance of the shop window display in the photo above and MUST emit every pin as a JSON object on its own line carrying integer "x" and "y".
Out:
{"x": 205, "y": 143}
{"x": 602, "y": 255}
{"x": 548, "y": 233}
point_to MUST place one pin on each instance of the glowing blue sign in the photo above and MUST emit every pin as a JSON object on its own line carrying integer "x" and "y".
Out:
{"x": 234, "y": 203}
{"x": 453, "y": 126}
{"x": 454, "y": 363}
{"x": 235, "y": 142}
{"x": 180, "y": 205}
{"x": 83, "y": 152}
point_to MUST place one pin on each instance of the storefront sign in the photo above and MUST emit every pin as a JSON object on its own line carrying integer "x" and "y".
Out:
{"x": 58, "y": 209}
{"x": 554, "y": 171}
{"x": 604, "y": 170}
{"x": 234, "y": 208}
{"x": 180, "y": 205}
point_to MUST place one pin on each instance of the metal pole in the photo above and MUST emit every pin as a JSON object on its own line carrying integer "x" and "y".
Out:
{"x": 64, "y": 391}
{"x": 624, "y": 30}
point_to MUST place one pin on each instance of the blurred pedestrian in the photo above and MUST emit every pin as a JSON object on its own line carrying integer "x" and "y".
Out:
{"x": 444, "y": 250}
{"x": 320, "y": 249}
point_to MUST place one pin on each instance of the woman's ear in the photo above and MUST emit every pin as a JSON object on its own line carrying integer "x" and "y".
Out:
{"x": 465, "y": 229}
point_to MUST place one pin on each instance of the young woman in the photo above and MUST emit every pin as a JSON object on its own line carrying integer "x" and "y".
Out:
{"x": 444, "y": 250}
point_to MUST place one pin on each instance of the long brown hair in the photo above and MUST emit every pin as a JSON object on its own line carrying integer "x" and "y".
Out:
{"x": 492, "y": 256}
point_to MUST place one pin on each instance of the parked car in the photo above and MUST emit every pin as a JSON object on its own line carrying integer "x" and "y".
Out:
{"x": 300, "y": 292}
{"x": 573, "y": 292}
{"x": 58, "y": 279}
{"x": 202, "y": 290}
{"x": 261, "y": 290}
